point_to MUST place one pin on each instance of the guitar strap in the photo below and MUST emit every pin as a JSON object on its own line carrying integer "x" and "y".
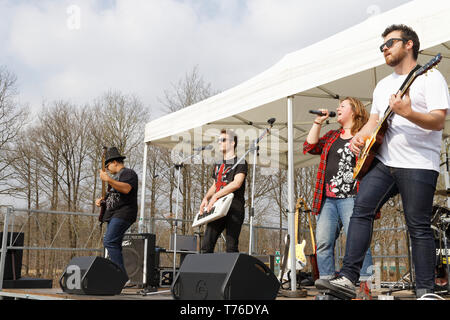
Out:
{"x": 417, "y": 67}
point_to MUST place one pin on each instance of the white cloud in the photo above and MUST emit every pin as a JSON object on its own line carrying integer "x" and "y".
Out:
{"x": 141, "y": 46}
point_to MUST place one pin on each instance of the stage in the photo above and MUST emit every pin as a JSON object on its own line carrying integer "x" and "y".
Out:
{"x": 164, "y": 294}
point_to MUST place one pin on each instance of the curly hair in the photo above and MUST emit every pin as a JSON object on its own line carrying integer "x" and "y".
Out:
{"x": 407, "y": 34}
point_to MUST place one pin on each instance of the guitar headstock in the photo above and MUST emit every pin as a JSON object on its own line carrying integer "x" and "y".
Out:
{"x": 104, "y": 157}
{"x": 430, "y": 64}
{"x": 302, "y": 203}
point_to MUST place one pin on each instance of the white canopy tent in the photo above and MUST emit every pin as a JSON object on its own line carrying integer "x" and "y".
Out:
{"x": 347, "y": 64}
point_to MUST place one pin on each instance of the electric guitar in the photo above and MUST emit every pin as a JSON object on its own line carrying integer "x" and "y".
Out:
{"x": 373, "y": 142}
{"x": 300, "y": 258}
{"x": 103, "y": 201}
{"x": 312, "y": 257}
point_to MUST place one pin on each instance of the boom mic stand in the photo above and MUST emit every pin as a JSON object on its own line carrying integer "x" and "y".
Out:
{"x": 254, "y": 147}
{"x": 178, "y": 167}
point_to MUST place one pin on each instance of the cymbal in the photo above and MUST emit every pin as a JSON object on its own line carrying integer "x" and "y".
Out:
{"x": 444, "y": 193}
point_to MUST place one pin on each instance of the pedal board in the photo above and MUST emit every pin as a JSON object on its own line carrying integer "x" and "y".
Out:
{"x": 332, "y": 295}
{"x": 325, "y": 296}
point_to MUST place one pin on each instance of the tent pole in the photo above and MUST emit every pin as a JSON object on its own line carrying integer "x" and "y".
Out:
{"x": 144, "y": 174}
{"x": 290, "y": 179}
{"x": 252, "y": 209}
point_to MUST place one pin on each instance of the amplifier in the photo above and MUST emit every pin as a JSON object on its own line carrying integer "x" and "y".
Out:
{"x": 13, "y": 262}
{"x": 140, "y": 259}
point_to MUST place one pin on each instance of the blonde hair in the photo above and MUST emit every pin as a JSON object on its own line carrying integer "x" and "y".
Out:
{"x": 360, "y": 114}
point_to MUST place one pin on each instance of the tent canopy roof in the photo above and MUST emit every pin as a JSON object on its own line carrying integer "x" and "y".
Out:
{"x": 346, "y": 64}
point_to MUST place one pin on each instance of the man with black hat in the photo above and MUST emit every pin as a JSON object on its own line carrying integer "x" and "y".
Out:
{"x": 121, "y": 203}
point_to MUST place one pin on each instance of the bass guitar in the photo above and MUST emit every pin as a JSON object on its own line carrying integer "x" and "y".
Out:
{"x": 103, "y": 201}
{"x": 373, "y": 142}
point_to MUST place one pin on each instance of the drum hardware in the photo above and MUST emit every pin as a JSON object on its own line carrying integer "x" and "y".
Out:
{"x": 408, "y": 278}
{"x": 440, "y": 224}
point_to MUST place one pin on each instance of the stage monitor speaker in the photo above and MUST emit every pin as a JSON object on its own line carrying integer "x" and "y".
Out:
{"x": 92, "y": 275}
{"x": 224, "y": 276}
{"x": 140, "y": 259}
{"x": 267, "y": 259}
{"x": 13, "y": 262}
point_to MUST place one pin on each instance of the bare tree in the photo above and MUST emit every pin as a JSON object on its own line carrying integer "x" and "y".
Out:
{"x": 187, "y": 91}
{"x": 120, "y": 121}
{"x": 12, "y": 119}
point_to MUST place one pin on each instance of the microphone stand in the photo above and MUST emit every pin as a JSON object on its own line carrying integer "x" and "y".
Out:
{"x": 254, "y": 147}
{"x": 178, "y": 167}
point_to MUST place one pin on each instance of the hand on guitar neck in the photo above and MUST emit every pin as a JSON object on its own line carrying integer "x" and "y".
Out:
{"x": 399, "y": 103}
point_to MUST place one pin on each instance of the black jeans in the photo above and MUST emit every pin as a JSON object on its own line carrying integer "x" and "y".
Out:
{"x": 232, "y": 222}
{"x": 416, "y": 188}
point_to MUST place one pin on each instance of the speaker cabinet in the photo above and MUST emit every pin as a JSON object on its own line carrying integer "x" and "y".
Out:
{"x": 92, "y": 275}
{"x": 184, "y": 242}
{"x": 13, "y": 262}
{"x": 140, "y": 259}
{"x": 224, "y": 276}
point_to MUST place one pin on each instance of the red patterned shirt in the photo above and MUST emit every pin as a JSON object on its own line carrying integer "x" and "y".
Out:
{"x": 321, "y": 147}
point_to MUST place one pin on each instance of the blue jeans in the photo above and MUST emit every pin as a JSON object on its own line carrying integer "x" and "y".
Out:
{"x": 113, "y": 240}
{"x": 334, "y": 215}
{"x": 416, "y": 188}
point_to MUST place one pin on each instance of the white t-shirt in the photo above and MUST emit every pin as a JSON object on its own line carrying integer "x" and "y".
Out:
{"x": 406, "y": 145}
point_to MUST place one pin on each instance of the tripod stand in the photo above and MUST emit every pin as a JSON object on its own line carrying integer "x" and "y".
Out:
{"x": 409, "y": 276}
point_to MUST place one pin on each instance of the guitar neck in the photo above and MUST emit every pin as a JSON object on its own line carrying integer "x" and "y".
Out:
{"x": 389, "y": 112}
{"x": 103, "y": 169}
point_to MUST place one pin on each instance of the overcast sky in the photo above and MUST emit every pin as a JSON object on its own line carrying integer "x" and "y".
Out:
{"x": 78, "y": 49}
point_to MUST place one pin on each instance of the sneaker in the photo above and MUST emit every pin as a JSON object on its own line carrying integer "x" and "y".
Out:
{"x": 128, "y": 284}
{"x": 422, "y": 292}
{"x": 339, "y": 285}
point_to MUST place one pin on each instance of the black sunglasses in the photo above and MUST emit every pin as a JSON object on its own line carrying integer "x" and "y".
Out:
{"x": 390, "y": 43}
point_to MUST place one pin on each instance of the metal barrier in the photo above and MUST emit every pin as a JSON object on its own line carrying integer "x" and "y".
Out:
{"x": 8, "y": 228}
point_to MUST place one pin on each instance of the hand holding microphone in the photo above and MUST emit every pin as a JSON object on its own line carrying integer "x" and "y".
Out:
{"x": 323, "y": 112}
{"x": 322, "y": 115}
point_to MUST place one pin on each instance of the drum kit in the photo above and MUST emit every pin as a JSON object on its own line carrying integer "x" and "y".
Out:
{"x": 440, "y": 224}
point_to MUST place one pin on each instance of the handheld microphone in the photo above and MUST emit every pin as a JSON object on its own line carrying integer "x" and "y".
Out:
{"x": 208, "y": 147}
{"x": 320, "y": 113}
{"x": 271, "y": 121}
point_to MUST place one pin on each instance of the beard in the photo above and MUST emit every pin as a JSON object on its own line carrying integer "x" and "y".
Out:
{"x": 394, "y": 60}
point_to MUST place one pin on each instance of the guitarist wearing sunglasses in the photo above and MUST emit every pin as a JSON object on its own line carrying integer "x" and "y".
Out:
{"x": 405, "y": 163}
